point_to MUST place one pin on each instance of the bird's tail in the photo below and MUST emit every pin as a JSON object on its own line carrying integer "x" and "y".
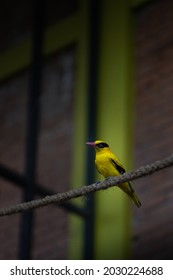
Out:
{"x": 127, "y": 187}
{"x": 134, "y": 198}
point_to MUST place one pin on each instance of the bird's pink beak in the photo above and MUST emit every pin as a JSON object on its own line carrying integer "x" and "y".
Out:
{"x": 91, "y": 144}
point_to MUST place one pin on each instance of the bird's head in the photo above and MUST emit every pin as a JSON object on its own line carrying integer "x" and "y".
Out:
{"x": 98, "y": 145}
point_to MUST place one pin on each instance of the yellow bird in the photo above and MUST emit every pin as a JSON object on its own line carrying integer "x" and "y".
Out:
{"x": 109, "y": 165}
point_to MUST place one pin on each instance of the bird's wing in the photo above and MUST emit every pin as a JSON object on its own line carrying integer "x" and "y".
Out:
{"x": 117, "y": 165}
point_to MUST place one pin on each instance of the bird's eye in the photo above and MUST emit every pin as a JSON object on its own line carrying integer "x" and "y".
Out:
{"x": 102, "y": 145}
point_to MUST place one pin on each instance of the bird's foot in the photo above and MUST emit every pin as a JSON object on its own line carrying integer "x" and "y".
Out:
{"x": 107, "y": 178}
{"x": 98, "y": 182}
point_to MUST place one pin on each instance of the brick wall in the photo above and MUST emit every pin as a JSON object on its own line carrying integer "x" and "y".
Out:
{"x": 153, "y": 226}
{"x": 50, "y": 234}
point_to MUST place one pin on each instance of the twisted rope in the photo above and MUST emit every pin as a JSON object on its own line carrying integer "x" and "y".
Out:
{"x": 74, "y": 193}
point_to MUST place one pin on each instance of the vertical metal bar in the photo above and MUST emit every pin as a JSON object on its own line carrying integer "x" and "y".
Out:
{"x": 32, "y": 128}
{"x": 92, "y": 114}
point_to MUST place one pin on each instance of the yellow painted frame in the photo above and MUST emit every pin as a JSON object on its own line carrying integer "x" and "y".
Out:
{"x": 115, "y": 117}
{"x": 80, "y": 109}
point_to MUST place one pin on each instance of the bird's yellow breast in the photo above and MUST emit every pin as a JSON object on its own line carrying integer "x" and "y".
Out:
{"x": 104, "y": 164}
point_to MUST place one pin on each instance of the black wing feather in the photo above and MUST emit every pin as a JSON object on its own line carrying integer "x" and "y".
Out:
{"x": 120, "y": 169}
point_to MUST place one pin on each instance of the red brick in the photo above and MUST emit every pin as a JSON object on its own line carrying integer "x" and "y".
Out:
{"x": 152, "y": 224}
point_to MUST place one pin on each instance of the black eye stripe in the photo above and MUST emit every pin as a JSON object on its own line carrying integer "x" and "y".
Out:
{"x": 102, "y": 145}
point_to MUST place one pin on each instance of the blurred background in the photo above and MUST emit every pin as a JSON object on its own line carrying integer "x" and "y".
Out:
{"x": 75, "y": 71}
